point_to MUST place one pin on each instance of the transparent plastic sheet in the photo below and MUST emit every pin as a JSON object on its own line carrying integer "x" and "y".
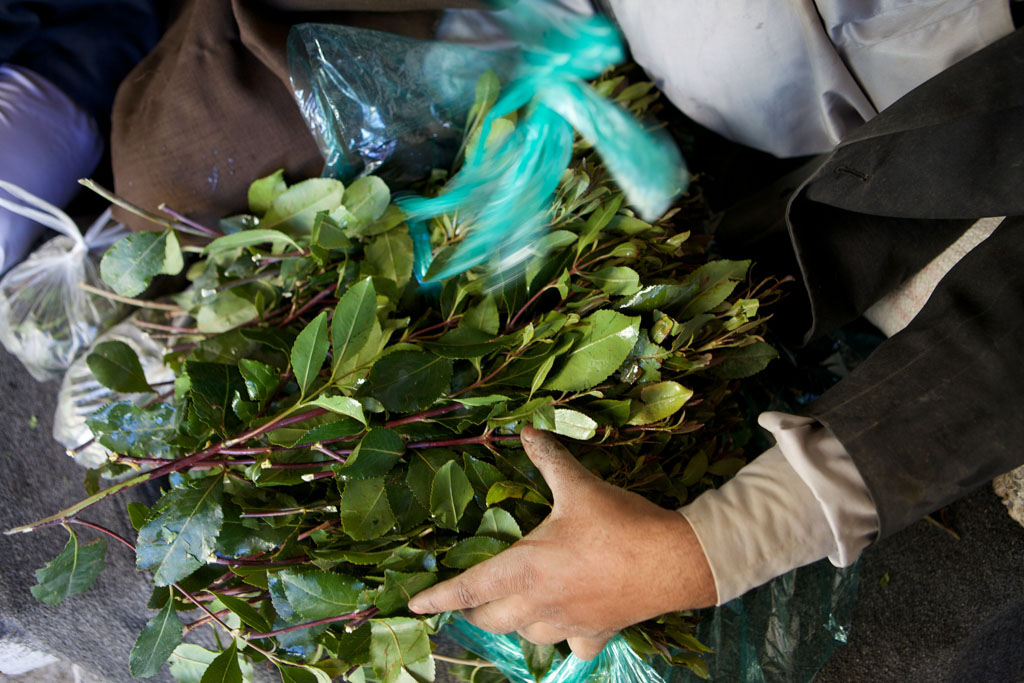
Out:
{"x": 617, "y": 663}
{"x": 46, "y": 318}
{"x": 782, "y": 632}
{"x": 382, "y": 103}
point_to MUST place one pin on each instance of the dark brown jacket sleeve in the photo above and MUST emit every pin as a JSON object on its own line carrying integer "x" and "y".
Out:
{"x": 938, "y": 409}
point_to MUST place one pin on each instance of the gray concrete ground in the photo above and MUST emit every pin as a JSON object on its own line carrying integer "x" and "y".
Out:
{"x": 951, "y": 610}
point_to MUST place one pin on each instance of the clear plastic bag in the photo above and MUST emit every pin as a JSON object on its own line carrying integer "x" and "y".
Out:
{"x": 46, "y": 318}
{"x": 382, "y": 103}
{"x": 81, "y": 394}
{"x": 781, "y": 632}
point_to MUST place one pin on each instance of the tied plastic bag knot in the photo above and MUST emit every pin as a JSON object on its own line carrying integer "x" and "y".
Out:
{"x": 46, "y": 318}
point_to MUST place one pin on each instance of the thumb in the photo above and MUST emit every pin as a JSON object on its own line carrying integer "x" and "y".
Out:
{"x": 562, "y": 472}
{"x": 587, "y": 648}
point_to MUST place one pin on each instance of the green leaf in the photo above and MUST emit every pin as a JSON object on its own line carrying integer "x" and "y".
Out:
{"x": 695, "y": 469}
{"x": 574, "y": 424}
{"x": 137, "y": 514}
{"x": 261, "y": 380}
{"x": 71, "y": 572}
{"x": 365, "y": 510}
{"x": 407, "y": 381}
{"x": 298, "y": 673}
{"x": 660, "y": 401}
{"x": 224, "y": 313}
{"x": 320, "y": 595}
{"x": 503, "y": 490}
{"x": 310, "y": 351}
{"x": 246, "y": 612}
{"x": 744, "y": 361}
{"x": 123, "y": 427}
{"x": 367, "y": 198}
{"x": 423, "y": 467}
{"x": 606, "y": 340}
{"x": 353, "y": 321}
{"x": 610, "y": 411}
{"x": 212, "y": 389}
{"x": 225, "y": 668}
{"x": 189, "y": 663}
{"x": 157, "y": 641}
{"x": 392, "y": 218}
{"x": 374, "y": 456}
{"x": 400, "y": 650}
{"x": 472, "y": 551}
{"x": 328, "y": 233}
{"x": 341, "y": 405}
{"x": 538, "y": 657}
{"x": 597, "y": 222}
{"x": 483, "y": 475}
{"x": 499, "y": 524}
{"x": 296, "y": 208}
{"x": 182, "y": 530}
{"x": 617, "y": 281}
{"x": 715, "y": 281}
{"x": 326, "y": 432}
{"x": 399, "y": 587}
{"x": 264, "y": 191}
{"x": 450, "y": 493}
{"x": 133, "y": 261}
{"x": 115, "y": 366}
{"x": 659, "y": 297}
{"x": 250, "y": 238}
{"x": 390, "y": 254}
{"x": 726, "y": 467}
{"x": 483, "y": 316}
{"x": 466, "y": 342}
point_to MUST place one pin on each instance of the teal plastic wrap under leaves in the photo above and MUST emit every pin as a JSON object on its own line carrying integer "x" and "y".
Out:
{"x": 617, "y": 663}
{"x": 781, "y": 632}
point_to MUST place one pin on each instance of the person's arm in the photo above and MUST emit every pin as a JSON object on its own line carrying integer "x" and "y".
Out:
{"x": 606, "y": 558}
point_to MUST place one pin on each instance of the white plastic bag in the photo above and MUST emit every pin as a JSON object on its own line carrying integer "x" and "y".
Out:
{"x": 46, "y": 318}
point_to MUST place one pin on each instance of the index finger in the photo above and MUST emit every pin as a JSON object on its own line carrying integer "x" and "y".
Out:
{"x": 492, "y": 579}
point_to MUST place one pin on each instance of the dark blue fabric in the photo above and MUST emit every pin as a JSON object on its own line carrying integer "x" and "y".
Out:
{"x": 84, "y": 47}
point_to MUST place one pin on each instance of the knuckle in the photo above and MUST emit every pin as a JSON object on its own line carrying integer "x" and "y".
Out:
{"x": 464, "y": 593}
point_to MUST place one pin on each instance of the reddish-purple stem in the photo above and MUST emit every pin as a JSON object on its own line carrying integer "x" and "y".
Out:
{"x": 365, "y": 614}
{"x": 188, "y": 221}
{"x": 306, "y": 306}
{"x": 419, "y": 417}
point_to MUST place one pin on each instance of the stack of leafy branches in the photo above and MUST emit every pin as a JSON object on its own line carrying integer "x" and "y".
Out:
{"x": 340, "y": 437}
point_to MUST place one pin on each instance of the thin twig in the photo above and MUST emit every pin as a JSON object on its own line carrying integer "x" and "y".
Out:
{"x": 141, "y": 303}
{"x": 477, "y": 663}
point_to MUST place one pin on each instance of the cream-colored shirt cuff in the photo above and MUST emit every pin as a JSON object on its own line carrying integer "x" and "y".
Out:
{"x": 796, "y": 503}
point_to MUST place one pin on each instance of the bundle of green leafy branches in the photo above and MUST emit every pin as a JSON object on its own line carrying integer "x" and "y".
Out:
{"x": 340, "y": 437}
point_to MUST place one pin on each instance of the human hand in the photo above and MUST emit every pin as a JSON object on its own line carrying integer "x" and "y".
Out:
{"x": 603, "y": 559}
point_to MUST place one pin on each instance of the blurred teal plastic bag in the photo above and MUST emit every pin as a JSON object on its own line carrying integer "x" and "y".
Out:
{"x": 505, "y": 186}
{"x": 782, "y": 632}
{"x": 397, "y": 107}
